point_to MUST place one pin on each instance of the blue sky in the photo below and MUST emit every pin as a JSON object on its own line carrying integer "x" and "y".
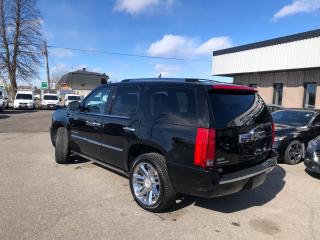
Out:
{"x": 164, "y": 28}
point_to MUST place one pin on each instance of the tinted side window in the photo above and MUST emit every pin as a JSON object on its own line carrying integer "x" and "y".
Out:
{"x": 97, "y": 101}
{"x": 125, "y": 101}
{"x": 176, "y": 105}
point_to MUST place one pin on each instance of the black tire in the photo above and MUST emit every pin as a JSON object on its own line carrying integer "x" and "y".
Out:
{"x": 2, "y": 108}
{"x": 288, "y": 159}
{"x": 167, "y": 196}
{"x": 62, "y": 150}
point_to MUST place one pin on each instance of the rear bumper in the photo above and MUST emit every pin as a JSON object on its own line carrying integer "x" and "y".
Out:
{"x": 24, "y": 107}
{"x": 208, "y": 184}
{"x": 49, "y": 106}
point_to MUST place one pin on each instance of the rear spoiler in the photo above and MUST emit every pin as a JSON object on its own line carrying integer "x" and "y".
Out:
{"x": 233, "y": 88}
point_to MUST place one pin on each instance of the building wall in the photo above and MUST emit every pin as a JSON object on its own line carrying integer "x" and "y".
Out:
{"x": 301, "y": 54}
{"x": 293, "y": 85}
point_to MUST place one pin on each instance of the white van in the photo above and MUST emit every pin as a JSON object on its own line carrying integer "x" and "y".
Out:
{"x": 71, "y": 98}
{"x": 49, "y": 101}
{"x": 24, "y": 100}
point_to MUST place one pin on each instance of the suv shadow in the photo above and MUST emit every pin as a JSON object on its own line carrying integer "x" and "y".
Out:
{"x": 242, "y": 200}
{"x": 3, "y": 116}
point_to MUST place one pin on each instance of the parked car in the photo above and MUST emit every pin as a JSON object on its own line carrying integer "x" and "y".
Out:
{"x": 71, "y": 98}
{"x": 49, "y": 101}
{"x": 171, "y": 136}
{"x": 274, "y": 107}
{"x": 24, "y": 100}
{"x": 312, "y": 159}
{"x": 5, "y": 98}
{"x": 2, "y": 104}
{"x": 294, "y": 129}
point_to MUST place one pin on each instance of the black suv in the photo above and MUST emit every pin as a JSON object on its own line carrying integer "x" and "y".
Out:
{"x": 169, "y": 136}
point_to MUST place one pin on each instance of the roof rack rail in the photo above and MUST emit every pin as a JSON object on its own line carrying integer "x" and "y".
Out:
{"x": 187, "y": 80}
{"x": 192, "y": 80}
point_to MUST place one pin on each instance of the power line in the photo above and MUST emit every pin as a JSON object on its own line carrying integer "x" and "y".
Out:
{"x": 129, "y": 54}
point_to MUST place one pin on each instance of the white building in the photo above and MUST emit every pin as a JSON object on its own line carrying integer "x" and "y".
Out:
{"x": 285, "y": 70}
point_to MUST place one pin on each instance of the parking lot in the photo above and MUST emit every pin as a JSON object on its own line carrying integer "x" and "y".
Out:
{"x": 42, "y": 200}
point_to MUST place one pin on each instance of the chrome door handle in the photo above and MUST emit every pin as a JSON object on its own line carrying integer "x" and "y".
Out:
{"x": 93, "y": 124}
{"x": 129, "y": 129}
{"x": 96, "y": 124}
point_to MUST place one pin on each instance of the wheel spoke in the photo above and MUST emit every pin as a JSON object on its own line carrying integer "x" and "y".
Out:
{"x": 143, "y": 192}
{"x": 155, "y": 191}
{"x": 150, "y": 197}
{"x": 138, "y": 177}
{"x": 144, "y": 170}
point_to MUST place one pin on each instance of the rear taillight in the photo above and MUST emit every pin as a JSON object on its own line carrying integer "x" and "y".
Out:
{"x": 273, "y": 133}
{"x": 205, "y": 147}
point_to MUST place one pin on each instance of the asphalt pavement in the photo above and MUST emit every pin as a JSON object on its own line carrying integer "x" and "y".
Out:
{"x": 40, "y": 199}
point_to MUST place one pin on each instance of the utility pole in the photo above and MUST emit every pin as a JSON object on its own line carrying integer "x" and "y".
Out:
{"x": 47, "y": 64}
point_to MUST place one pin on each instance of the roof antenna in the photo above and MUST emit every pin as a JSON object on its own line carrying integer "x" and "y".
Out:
{"x": 160, "y": 76}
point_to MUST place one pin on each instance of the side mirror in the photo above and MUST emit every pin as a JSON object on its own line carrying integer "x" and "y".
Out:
{"x": 74, "y": 106}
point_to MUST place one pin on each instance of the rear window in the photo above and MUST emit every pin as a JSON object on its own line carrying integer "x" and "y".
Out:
{"x": 24, "y": 96}
{"x": 74, "y": 98}
{"x": 50, "y": 97}
{"x": 291, "y": 117}
{"x": 231, "y": 110}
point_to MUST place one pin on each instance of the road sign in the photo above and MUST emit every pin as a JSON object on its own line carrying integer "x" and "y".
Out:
{"x": 44, "y": 85}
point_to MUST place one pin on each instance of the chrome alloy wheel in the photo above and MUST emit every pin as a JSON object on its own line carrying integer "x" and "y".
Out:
{"x": 295, "y": 152}
{"x": 146, "y": 183}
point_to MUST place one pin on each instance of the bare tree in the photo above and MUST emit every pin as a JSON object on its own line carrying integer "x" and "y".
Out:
{"x": 56, "y": 74}
{"x": 20, "y": 40}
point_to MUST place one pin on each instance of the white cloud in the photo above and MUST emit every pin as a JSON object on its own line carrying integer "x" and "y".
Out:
{"x": 61, "y": 53}
{"x": 297, "y": 6}
{"x": 60, "y": 68}
{"x": 183, "y": 46}
{"x": 171, "y": 45}
{"x": 135, "y": 7}
{"x": 167, "y": 70}
{"x": 214, "y": 44}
